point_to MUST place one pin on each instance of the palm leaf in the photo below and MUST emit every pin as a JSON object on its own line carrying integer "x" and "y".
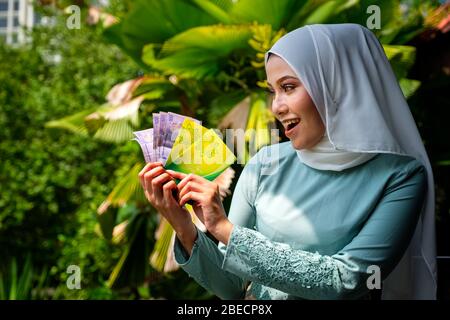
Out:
{"x": 214, "y": 10}
{"x": 133, "y": 267}
{"x": 115, "y": 121}
{"x": 326, "y": 11}
{"x": 171, "y": 264}
{"x": 163, "y": 246}
{"x": 298, "y": 19}
{"x": 259, "y": 123}
{"x": 127, "y": 189}
{"x": 115, "y": 131}
{"x": 198, "y": 52}
{"x": 401, "y": 58}
{"x": 276, "y": 13}
{"x": 118, "y": 233}
{"x": 224, "y": 5}
{"x": 409, "y": 86}
{"x": 74, "y": 123}
{"x": 189, "y": 63}
{"x": 123, "y": 92}
{"x": 155, "y": 21}
{"x": 114, "y": 35}
{"x": 108, "y": 123}
{"x": 120, "y": 109}
{"x": 106, "y": 224}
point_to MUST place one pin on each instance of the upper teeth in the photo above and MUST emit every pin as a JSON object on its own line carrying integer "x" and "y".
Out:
{"x": 288, "y": 122}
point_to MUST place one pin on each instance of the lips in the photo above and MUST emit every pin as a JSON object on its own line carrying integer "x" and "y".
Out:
{"x": 290, "y": 125}
{"x": 291, "y": 129}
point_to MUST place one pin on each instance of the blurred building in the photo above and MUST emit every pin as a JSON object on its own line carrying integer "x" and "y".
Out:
{"x": 15, "y": 16}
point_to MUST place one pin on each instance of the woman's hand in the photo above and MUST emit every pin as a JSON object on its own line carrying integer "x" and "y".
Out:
{"x": 207, "y": 204}
{"x": 158, "y": 186}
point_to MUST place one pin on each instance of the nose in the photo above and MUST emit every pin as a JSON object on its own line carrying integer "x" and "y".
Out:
{"x": 279, "y": 106}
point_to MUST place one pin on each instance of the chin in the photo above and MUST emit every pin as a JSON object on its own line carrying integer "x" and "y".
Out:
{"x": 298, "y": 145}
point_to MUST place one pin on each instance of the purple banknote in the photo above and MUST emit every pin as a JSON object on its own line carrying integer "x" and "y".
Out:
{"x": 145, "y": 140}
{"x": 156, "y": 143}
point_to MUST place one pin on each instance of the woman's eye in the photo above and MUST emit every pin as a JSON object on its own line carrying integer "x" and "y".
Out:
{"x": 270, "y": 92}
{"x": 288, "y": 87}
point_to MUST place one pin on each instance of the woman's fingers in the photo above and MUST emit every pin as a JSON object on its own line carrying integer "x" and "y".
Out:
{"x": 193, "y": 177}
{"x": 150, "y": 175}
{"x": 191, "y": 195}
{"x": 190, "y": 186}
{"x": 157, "y": 184}
{"x": 176, "y": 174}
{"x": 168, "y": 189}
{"x": 185, "y": 178}
{"x": 155, "y": 180}
{"x": 146, "y": 168}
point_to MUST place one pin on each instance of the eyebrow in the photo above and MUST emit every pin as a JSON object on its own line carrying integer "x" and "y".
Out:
{"x": 283, "y": 78}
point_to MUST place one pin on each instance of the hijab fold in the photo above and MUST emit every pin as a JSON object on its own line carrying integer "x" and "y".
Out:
{"x": 348, "y": 76}
{"x": 325, "y": 156}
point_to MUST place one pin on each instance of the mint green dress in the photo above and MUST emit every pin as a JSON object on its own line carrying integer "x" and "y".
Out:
{"x": 302, "y": 233}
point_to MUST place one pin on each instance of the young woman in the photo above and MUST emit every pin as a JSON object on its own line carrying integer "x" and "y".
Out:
{"x": 348, "y": 199}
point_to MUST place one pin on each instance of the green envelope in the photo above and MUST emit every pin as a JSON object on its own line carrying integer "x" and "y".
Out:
{"x": 200, "y": 151}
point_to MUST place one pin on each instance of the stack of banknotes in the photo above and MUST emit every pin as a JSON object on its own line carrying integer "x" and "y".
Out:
{"x": 182, "y": 144}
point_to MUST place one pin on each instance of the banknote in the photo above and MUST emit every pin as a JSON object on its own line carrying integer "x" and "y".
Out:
{"x": 207, "y": 156}
{"x": 173, "y": 126}
{"x": 156, "y": 134}
{"x": 145, "y": 140}
{"x": 175, "y": 123}
{"x": 163, "y": 150}
{"x": 182, "y": 144}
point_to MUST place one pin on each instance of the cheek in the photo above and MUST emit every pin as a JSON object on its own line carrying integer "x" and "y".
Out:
{"x": 313, "y": 121}
{"x": 299, "y": 103}
{"x": 303, "y": 106}
{"x": 308, "y": 112}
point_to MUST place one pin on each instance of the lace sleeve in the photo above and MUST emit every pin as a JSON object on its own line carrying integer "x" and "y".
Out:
{"x": 276, "y": 265}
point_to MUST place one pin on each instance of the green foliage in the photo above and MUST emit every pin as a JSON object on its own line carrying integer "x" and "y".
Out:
{"x": 155, "y": 21}
{"x": 199, "y": 52}
{"x": 51, "y": 182}
{"x": 14, "y": 286}
{"x": 133, "y": 266}
{"x": 20, "y": 281}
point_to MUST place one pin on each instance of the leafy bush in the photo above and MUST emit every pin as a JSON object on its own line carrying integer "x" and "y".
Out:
{"x": 51, "y": 182}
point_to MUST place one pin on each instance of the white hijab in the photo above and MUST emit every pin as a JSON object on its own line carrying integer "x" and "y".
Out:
{"x": 348, "y": 76}
{"x": 325, "y": 156}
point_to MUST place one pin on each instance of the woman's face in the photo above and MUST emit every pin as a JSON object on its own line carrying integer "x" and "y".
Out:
{"x": 291, "y": 101}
